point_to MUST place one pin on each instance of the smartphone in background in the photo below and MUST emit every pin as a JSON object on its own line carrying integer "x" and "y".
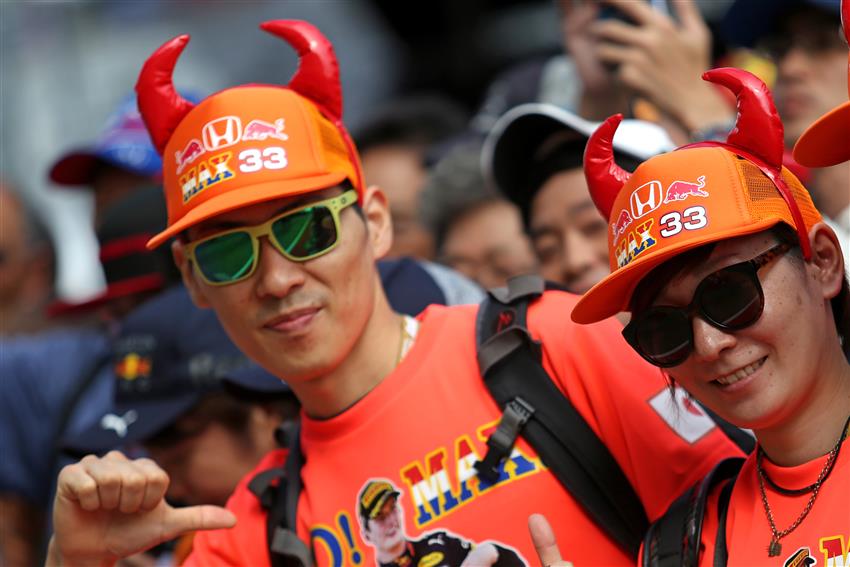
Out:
{"x": 607, "y": 11}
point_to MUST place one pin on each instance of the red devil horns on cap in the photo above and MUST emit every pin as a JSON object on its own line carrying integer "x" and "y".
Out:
{"x": 758, "y": 129}
{"x": 758, "y": 135}
{"x": 604, "y": 177}
{"x": 161, "y": 106}
{"x": 317, "y": 78}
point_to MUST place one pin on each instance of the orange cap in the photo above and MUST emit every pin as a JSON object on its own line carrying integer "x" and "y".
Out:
{"x": 251, "y": 143}
{"x": 692, "y": 196}
{"x": 827, "y": 141}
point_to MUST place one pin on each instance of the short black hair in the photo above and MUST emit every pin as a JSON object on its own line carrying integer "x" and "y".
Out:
{"x": 417, "y": 120}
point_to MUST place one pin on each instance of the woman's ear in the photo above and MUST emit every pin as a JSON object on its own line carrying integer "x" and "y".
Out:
{"x": 181, "y": 259}
{"x": 376, "y": 209}
{"x": 827, "y": 263}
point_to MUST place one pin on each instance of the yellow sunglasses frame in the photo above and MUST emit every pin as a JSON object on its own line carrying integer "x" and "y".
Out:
{"x": 334, "y": 204}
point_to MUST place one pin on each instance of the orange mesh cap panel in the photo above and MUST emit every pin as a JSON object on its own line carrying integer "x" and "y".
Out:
{"x": 246, "y": 145}
{"x": 678, "y": 201}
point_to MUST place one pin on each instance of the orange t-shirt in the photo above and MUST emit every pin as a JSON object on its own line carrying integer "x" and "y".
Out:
{"x": 823, "y": 536}
{"x": 424, "y": 426}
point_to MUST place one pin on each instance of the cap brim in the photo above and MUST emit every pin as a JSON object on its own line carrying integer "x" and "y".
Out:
{"x": 827, "y": 141}
{"x": 244, "y": 197}
{"x": 517, "y": 135}
{"x": 256, "y": 379}
{"x": 151, "y": 417}
{"x": 152, "y": 282}
{"x": 515, "y": 138}
{"x": 76, "y": 168}
{"x": 614, "y": 293}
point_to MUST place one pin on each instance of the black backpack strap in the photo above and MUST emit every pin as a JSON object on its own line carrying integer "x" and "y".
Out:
{"x": 510, "y": 361}
{"x": 278, "y": 490}
{"x": 674, "y": 539}
{"x": 721, "y": 553}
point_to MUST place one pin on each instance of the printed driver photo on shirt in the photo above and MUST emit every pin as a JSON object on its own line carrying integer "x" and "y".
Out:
{"x": 382, "y": 527}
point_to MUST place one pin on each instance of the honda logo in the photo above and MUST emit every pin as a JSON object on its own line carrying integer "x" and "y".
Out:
{"x": 222, "y": 132}
{"x": 646, "y": 199}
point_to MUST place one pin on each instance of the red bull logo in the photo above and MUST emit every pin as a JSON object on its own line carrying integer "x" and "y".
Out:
{"x": 681, "y": 190}
{"x": 133, "y": 366}
{"x": 262, "y": 130}
{"x": 190, "y": 153}
{"x": 621, "y": 224}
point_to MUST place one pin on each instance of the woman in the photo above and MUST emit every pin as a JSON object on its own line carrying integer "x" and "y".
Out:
{"x": 738, "y": 292}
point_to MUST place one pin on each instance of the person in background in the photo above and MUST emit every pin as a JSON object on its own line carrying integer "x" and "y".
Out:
{"x": 826, "y": 142}
{"x": 27, "y": 266}
{"x": 641, "y": 59}
{"x": 478, "y": 232}
{"x": 45, "y": 375}
{"x": 120, "y": 161}
{"x": 170, "y": 365}
{"x": 395, "y": 144}
{"x": 286, "y": 258}
{"x": 739, "y": 292}
{"x": 533, "y": 156}
{"x": 804, "y": 39}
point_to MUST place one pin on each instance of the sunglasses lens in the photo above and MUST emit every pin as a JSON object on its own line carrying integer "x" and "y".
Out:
{"x": 732, "y": 299}
{"x": 306, "y": 233}
{"x": 664, "y": 336}
{"x": 226, "y": 258}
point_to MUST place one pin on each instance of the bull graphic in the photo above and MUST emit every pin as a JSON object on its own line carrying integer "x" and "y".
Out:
{"x": 681, "y": 190}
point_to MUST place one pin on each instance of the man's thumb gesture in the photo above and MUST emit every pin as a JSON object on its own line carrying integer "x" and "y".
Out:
{"x": 111, "y": 507}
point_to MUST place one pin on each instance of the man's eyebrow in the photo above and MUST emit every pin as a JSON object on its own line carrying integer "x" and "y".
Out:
{"x": 580, "y": 207}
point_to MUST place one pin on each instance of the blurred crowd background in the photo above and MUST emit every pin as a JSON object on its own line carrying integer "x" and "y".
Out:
{"x": 67, "y": 65}
{"x": 472, "y": 115}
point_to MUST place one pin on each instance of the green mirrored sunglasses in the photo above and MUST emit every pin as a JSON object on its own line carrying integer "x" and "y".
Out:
{"x": 300, "y": 235}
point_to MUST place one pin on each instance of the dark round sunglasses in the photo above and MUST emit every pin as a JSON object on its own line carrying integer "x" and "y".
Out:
{"x": 730, "y": 299}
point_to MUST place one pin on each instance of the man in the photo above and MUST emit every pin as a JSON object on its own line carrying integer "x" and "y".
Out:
{"x": 382, "y": 526}
{"x": 478, "y": 232}
{"x": 46, "y": 375}
{"x": 826, "y": 145}
{"x": 533, "y": 156}
{"x": 394, "y": 144}
{"x": 120, "y": 161}
{"x": 280, "y": 239}
{"x": 803, "y": 39}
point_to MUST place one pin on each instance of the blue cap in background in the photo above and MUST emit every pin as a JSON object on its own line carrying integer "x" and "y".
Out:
{"x": 123, "y": 143}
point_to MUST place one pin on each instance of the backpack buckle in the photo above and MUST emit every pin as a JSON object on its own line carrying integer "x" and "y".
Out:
{"x": 501, "y": 442}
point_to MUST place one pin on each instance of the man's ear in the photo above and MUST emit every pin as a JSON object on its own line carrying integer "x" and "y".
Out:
{"x": 376, "y": 209}
{"x": 827, "y": 263}
{"x": 181, "y": 259}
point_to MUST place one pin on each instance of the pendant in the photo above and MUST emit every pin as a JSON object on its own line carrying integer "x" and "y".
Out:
{"x": 774, "y": 549}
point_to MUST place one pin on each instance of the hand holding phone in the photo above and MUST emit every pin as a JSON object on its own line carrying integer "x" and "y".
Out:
{"x": 661, "y": 58}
